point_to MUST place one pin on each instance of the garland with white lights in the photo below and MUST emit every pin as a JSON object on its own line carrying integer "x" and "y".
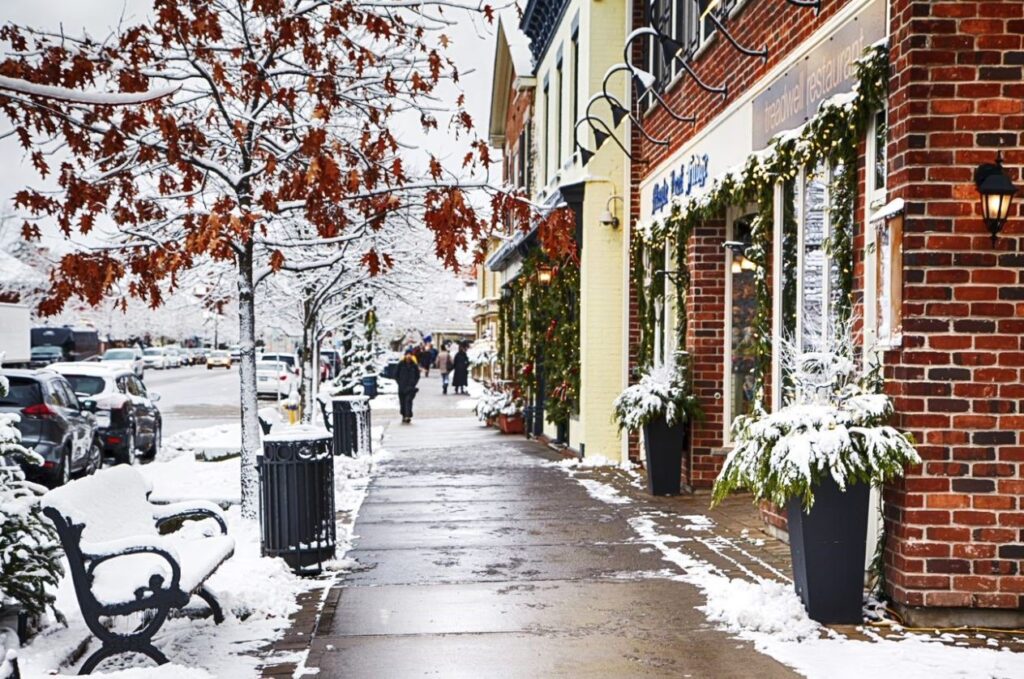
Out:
{"x": 533, "y": 316}
{"x": 831, "y": 137}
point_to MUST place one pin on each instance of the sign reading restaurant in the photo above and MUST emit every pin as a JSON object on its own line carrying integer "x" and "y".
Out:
{"x": 793, "y": 98}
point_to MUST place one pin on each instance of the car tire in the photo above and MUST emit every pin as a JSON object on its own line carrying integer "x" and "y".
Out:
{"x": 95, "y": 459}
{"x": 209, "y": 367}
{"x": 63, "y": 473}
{"x": 130, "y": 454}
{"x": 154, "y": 448}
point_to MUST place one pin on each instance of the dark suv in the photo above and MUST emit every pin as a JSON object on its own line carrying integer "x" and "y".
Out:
{"x": 52, "y": 422}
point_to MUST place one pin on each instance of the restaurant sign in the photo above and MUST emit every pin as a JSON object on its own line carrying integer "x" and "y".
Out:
{"x": 690, "y": 176}
{"x": 793, "y": 98}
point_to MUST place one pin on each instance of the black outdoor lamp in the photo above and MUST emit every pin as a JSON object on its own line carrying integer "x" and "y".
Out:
{"x": 997, "y": 192}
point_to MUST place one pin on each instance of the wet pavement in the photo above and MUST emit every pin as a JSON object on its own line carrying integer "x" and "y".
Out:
{"x": 480, "y": 557}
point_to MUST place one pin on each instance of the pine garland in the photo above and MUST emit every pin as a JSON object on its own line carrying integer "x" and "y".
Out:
{"x": 535, "y": 316}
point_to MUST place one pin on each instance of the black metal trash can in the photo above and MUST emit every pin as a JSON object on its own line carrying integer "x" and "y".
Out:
{"x": 297, "y": 498}
{"x": 351, "y": 425}
{"x": 370, "y": 386}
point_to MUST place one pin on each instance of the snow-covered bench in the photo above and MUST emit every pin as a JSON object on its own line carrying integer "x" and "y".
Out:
{"x": 120, "y": 563}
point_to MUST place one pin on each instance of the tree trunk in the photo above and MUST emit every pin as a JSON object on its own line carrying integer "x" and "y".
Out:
{"x": 307, "y": 399}
{"x": 247, "y": 377}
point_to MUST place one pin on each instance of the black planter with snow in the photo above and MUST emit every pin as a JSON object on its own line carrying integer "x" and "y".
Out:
{"x": 663, "y": 450}
{"x": 827, "y": 545}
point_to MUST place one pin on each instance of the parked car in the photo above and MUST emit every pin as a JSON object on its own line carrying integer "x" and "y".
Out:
{"x": 274, "y": 378}
{"x": 218, "y": 359}
{"x": 128, "y": 420}
{"x": 333, "y": 359}
{"x": 174, "y": 358}
{"x": 127, "y": 359}
{"x": 198, "y": 356}
{"x": 54, "y": 423}
{"x": 236, "y": 353}
{"x": 291, "y": 361}
{"x": 45, "y": 355}
{"x": 155, "y": 358}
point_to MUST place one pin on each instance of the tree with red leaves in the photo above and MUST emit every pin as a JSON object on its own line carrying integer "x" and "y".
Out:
{"x": 263, "y": 141}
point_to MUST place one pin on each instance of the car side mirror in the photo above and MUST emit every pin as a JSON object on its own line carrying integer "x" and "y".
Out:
{"x": 154, "y": 397}
{"x": 89, "y": 405}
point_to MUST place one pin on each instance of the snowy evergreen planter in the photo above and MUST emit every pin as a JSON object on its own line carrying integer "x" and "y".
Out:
{"x": 500, "y": 407}
{"x": 661, "y": 406}
{"x": 818, "y": 457}
{"x": 511, "y": 424}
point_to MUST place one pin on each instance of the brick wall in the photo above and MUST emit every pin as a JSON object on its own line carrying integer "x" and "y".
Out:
{"x": 956, "y": 524}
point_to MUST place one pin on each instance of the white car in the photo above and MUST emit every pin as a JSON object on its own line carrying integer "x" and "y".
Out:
{"x": 124, "y": 359}
{"x": 155, "y": 358}
{"x": 174, "y": 357}
{"x": 273, "y": 378}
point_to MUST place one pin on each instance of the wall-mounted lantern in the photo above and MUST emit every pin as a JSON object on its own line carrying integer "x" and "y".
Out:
{"x": 544, "y": 275}
{"x": 997, "y": 192}
{"x": 609, "y": 218}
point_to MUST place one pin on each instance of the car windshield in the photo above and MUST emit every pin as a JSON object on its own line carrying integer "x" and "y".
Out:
{"x": 47, "y": 351}
{"x": 219, "y": 354}
{"x": 119, "y": 355}
{"x": 86, "y": 385}
{"x": 21, "y": 392}
{"x": 154, "y": 352}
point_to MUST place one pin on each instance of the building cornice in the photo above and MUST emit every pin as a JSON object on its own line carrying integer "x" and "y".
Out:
{"x": 540, "y": 21}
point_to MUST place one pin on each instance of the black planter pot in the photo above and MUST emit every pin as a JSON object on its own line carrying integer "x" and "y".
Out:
{"x": 663, "y": 448}
{"x": 828, "y": 548}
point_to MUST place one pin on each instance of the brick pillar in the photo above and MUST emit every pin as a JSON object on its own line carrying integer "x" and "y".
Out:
{"x": 706, "y": 343}
{"x": 955, "y": 523}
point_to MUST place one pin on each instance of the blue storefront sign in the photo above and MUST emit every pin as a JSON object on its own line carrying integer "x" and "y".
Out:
{"x": 682, "y": 182}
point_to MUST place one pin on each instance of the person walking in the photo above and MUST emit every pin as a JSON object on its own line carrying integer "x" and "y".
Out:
{"x": 461, "y": 368}
{"x": 444, "y": 365}
{"x": 408, "y": 376}
{"x": 426, "y": 359}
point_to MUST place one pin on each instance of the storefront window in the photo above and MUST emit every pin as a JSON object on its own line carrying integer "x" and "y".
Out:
{"x": 812, "y": 264}
{"x": 742, "y": 310}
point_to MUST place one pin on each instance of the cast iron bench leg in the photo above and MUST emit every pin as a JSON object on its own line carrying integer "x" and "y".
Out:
{"x": 207, "y": 596}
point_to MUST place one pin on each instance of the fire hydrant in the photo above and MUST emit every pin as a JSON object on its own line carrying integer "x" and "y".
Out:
{"x": 291, "y": 407}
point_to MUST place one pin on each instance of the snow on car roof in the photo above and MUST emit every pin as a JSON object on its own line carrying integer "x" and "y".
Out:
{"x": 95, "y": 369}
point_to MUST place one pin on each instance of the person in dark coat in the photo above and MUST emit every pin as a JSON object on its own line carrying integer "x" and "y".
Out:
{"x": 407, "y": 375}
{"x": 461, "y": 378}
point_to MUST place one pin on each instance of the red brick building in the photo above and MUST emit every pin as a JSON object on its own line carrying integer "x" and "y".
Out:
{"x": 937, "y": 302}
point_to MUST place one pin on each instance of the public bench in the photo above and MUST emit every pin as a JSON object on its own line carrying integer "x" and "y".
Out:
{"x": 121, "y": 564}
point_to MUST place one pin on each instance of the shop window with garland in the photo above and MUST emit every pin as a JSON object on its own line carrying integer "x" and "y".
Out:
{"x": 741, "y": 310}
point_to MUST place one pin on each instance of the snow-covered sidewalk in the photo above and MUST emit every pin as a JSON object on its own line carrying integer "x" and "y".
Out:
{"x": 748, "y": 592}
{"x": 259, "y": 595}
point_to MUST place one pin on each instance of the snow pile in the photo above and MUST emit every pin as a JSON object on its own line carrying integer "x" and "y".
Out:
{"x": 603, "y": 492}
{"x": 589, "y": 462}
{"x": 659, "y": 393}
{"x": 764, "y": 606}
{"x": 209, "y": 443}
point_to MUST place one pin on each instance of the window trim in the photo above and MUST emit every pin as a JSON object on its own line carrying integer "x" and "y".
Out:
{"x": 732, "y": 215}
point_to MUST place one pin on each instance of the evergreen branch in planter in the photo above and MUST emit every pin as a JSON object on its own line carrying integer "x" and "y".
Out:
{"x": 661, "y": 392}
{"x": 836, "y": 424}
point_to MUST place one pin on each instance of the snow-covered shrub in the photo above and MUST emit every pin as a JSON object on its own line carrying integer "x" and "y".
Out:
{"x": 482, "y": 353}
{"x": 835, "y": 424}
{"x": 30, "y": 567}
{"x": 662, "y": 392}
{"x": 495, "y": 402}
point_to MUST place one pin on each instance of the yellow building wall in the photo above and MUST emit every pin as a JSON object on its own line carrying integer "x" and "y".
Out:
{"x": 603, "y": 353}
